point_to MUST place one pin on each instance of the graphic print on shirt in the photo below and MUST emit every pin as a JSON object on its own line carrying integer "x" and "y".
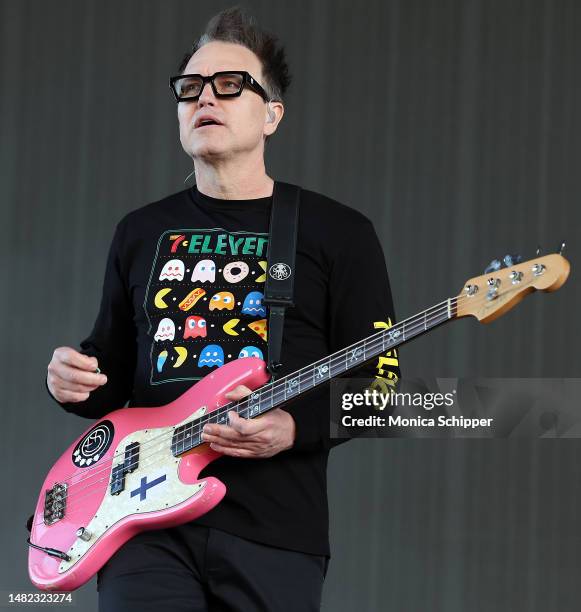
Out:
{"x": 204, "y": 302}
{"x": 386, "y": 378}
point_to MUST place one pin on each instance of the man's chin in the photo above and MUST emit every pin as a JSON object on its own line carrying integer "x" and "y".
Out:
{"x": 209, "y": 151}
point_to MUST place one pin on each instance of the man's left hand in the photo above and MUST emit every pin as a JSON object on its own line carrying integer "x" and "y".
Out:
{"x": 261, "y": 437}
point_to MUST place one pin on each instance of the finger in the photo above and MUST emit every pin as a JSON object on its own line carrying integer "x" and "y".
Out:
{"x": 254, "y": 445}
{"x": 74, "y": 376}
{"x": 70, "y": 357}
{"x": 237, "y": 429}
{"x": 71, "y": 396}
{"x": 230, "y": 439}
{"x": 234, "y": 451}
{"x": 246, "y": 427}
{"x": 62, "y": 385}
{"x": 238, "y": 392}
{"x": 224, "y": 432}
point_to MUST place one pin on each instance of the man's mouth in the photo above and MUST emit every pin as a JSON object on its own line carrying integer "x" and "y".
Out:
{"x": 207, "y": 123}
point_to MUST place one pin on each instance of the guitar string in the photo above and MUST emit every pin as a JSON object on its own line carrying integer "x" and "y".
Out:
{"x": 372, "y": 345}
{"x": 298, "y": 373}
{"x": 443, "y": 306}
{"x": 245, "y": 408}
{"x": 86, "y": 491}
{"x": 330, "y": 360}
{"x": 446, "y": 306}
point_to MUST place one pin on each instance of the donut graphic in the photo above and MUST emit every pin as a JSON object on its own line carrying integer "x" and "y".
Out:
{"x": 235, "y": 271}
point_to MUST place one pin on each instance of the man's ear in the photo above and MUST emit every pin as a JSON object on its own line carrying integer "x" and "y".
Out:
{"x": 274, "y": 113}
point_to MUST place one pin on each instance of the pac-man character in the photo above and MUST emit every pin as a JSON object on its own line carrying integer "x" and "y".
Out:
{"x": 253, "y": 304}
{"x": 229, "y": 326}
{"x": 222, "y": 300}
{"x": 195, "y": 327}
{"x": 212, "y": 356}
{"x": 158, "y": 300}
{"x": 182, "y": 352}
{"x": 262, "y": 277}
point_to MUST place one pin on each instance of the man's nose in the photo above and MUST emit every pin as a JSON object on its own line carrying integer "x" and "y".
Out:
{"x": 207, "y": 94}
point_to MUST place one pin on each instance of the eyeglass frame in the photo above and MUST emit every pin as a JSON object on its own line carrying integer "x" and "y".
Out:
{"x": 247, "y": 79}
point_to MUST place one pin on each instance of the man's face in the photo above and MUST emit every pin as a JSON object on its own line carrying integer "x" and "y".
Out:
{"x": 243, "y": 118}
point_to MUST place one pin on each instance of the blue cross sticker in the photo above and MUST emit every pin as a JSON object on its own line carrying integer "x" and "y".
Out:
{"x": 142, "y": 489}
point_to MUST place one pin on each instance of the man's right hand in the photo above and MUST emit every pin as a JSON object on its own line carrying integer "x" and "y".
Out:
{"x": 71, "y": 375}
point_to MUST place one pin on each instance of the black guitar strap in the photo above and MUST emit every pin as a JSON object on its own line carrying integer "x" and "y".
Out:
{"x": 280, "y": 267}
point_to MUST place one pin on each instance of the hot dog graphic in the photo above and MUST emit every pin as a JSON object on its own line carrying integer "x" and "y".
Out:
{"x": 190, "y": 299}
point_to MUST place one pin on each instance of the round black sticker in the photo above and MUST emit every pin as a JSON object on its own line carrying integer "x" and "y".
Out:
{"x": 93, "y": 445}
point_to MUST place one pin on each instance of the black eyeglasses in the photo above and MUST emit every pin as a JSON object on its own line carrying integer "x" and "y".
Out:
{"x": 224, "y": 85}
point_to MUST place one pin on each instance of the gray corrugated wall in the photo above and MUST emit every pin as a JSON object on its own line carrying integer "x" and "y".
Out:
{"x": 453, "y": 124}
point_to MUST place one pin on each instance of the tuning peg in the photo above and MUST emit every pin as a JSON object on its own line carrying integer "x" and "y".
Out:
{"x": 539, "y": 250}
{"x": 561, "y": 248}
{"x": 493, "y": 266}
{"x": 511, "y": 260}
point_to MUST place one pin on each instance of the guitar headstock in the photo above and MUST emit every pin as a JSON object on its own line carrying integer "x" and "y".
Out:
{"x": 489, "y": 296}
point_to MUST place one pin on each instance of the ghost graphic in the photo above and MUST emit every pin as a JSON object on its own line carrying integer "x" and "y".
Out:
{"x": 172, "y": 270}
{"x": 250, "y": 351}
{"x": 253, "y": 304}
{"x": 195, "y": 327}
{"x": 222, "y": 300}
{"x": 166, "y": 330}
{"x": 212, "y": 356}
{"x": 204, "y": 270}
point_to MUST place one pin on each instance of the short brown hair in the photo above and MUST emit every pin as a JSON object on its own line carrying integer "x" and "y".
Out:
{"x": 234, "y": 25}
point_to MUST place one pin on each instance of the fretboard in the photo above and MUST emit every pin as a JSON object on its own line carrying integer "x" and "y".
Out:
{"x": 285, "y": 389}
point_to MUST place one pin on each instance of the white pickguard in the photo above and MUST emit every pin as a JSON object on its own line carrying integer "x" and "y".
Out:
{"x": 161, "y": 489}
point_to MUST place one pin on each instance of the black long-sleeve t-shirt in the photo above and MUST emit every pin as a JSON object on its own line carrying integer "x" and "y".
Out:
{"x": 213, "y": 252}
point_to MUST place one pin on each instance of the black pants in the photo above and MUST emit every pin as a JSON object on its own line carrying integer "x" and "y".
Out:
{"x": 192, "y": 568}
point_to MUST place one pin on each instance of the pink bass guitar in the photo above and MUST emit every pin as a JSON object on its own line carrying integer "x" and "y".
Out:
{"x": 137, "y": 468}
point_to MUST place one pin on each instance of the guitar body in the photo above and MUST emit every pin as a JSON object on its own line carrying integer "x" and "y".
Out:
{"x": 121, "y": 477}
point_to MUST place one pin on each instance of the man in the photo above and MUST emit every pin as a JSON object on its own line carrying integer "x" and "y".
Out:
{"x": 265, "y": 546}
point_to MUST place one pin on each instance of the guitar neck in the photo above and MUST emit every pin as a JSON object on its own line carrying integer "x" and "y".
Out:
{"x": 284, "y": 389}
{"x": 288, "y": 388}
